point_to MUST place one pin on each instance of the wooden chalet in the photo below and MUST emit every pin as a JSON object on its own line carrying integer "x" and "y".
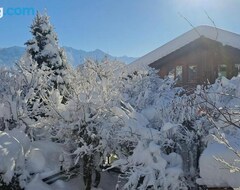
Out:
{"x": 199, "y": 56}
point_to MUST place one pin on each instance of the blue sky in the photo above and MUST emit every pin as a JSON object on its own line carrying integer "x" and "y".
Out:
{"x": 118, "y": 27}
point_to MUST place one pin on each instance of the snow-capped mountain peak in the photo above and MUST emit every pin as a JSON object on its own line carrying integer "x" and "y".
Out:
{"x": 9, "y": 56}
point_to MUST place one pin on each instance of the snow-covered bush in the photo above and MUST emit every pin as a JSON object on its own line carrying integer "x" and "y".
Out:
{"x": 220, "y": 103}
{"x": 149, "y": 168}
{"x": 88, "y": 113}
{"x": 219, "y": 165}
{"x": 142, "y": 88}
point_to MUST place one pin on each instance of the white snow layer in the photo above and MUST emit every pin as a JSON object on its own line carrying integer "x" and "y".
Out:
{"x": 11, "y": 155}
{"x": 16, "y": 151}
{"x": 222, "y": 36}
{"x": 37, "y": 184}
{"x": 108, "y": 181}
{"x": 214, "y": 173}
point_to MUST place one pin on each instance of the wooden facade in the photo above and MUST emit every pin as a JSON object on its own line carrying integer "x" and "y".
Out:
{"x": 201, "y": 61}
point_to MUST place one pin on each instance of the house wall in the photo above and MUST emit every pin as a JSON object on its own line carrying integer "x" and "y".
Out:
{"x": 207, "y": 55}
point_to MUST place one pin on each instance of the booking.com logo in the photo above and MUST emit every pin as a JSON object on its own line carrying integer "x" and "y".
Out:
{"x": 18, "y": 11}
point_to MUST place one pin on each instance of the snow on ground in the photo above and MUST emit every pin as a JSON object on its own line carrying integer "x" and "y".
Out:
{"x": 16, "y": 151}
{"x": 11, "y": 154}
{"x": 108, "y": 182}
{"x": 37, "y": 184}
{"x": 44, "y": 156}
{"x": 214, "y": 173}
{"x": 41, "y": 157}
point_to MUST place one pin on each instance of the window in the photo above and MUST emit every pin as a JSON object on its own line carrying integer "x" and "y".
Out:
{"x": 222, "y": 70}
{"x": 171, "y": 74}
{"x": 179, "y": 73}
{"x": 192, "y": 73}
{"x": 176, "y": 73}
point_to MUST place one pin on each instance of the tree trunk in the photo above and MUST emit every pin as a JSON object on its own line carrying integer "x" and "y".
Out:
{"x": 87, "y": 171}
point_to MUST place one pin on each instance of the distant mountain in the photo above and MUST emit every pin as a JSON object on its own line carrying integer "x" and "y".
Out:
{"x": 77, "y": 56}
{"x": 9, "y": 56}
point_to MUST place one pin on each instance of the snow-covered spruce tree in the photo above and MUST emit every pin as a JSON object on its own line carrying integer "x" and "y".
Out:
{"x": 41, "y": 71}
{"x": 44, "y": 49}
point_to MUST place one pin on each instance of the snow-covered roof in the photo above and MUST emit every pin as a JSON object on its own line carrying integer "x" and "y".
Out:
{"x": 223, "y": 36}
